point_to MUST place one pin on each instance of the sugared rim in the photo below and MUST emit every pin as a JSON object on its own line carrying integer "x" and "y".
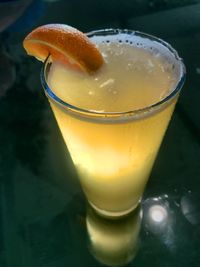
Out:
{"x": 131, "y": 113}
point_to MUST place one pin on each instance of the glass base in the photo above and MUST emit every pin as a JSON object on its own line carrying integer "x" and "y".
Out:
{"x": 113, "y": 214}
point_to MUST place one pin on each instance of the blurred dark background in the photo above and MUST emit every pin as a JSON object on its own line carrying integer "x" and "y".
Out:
{"x": 42, "y": 214}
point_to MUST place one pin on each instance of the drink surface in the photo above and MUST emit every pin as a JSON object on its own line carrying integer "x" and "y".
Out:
{"x": 114, "y": 159}
{"x": 131, "y": 78}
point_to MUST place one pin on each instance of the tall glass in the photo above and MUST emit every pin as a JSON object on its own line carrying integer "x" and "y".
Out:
{"x": 114, "y": 152}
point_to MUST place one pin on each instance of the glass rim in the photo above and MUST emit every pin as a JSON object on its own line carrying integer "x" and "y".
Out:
{"x": 135, "y": 112}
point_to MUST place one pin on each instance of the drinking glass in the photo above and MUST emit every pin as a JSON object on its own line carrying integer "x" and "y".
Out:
{"x": 113, "y": 152}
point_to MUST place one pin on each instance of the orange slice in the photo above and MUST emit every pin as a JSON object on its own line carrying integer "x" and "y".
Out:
{"x": 63, "y": 43}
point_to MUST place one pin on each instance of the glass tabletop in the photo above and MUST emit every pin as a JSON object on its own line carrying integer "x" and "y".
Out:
{"x": 44, "y": 218}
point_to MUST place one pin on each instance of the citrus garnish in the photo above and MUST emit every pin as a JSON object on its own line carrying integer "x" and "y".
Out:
{"x": 65, "y": 44}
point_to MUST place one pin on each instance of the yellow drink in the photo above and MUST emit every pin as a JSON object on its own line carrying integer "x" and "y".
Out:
{"x": 112, "y": 144}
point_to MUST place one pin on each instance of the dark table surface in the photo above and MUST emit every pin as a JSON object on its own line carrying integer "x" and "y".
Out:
{"x": 44, "y": 218}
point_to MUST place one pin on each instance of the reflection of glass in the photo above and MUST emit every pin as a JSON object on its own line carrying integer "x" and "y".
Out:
{"x": 113, "y": 242}
{"x": 190, "y": 206}
{"x": 114, "y": 151}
